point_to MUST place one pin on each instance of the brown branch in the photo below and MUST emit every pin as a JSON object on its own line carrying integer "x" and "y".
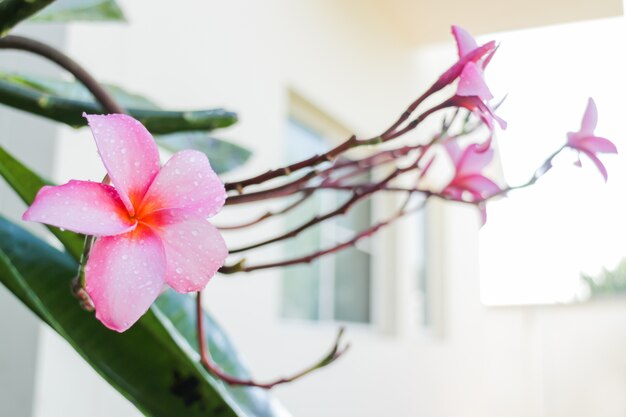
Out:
{"x": 332, "y": 154}
{"x": 52, "y": 54}
{"x": 280, "y": 191}
{"x": 206, "y": 360}
{"x": 269, "y": 214}
{"x": 342, "y": 209}
{"x": 241, "y": 267}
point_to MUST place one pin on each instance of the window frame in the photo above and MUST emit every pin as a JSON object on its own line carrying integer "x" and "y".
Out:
{"x": 390, "y": 301}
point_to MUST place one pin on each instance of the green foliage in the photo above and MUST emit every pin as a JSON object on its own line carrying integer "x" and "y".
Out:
{"x": 224, "y": 156}
{"x": 607, "y": 282}
{"x": 65, "y": 101}
{"x": 154, "y": 364}
{"x": 14, "y": 11}
{"x": 80, "y": 10}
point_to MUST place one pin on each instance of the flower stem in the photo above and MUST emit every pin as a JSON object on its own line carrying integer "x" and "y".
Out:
{"x": 52, "y": 54}
{"x": 215, "y": 370}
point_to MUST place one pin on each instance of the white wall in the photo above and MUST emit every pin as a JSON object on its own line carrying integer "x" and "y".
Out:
{"x": 19, "y": 328}
{"x": 245, "y": 55}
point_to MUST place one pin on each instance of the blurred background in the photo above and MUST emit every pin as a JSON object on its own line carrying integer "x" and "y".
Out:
{"x": 524, "y": 317}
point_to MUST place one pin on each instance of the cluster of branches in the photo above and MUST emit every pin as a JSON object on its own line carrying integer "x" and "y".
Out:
{"x": 332, "y": 170}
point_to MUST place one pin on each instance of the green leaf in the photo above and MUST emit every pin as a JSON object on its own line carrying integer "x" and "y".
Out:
{"x": 76, "y": 91}
{"x": 14, "y": 11}
{"x": 152, "y": 364}
{"x": 80, "y": 10}
{"x": 224, "y": 156}
{"x": 65, "y": 101}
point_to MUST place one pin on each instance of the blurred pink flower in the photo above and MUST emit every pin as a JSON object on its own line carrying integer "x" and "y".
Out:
{"x": 472, "y": 91}
{"x": 471, "y": 81}
{"x": 585, "y": 141}
{"x": 468, "y": 183}
{"x": 469, "y": 53}
{"x": 150, "y": 225}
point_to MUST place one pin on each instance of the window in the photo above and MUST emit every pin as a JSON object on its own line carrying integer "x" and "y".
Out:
{"x": 332, "y": 288}
{"x": 390, "y": 292}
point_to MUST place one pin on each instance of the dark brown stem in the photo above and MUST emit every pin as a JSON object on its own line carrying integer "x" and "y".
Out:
{"x": 289, "y": 169}
{"x": 270, "y": 214}
{"x": 331, "y": 155}
{"x": 215, "y": 370}
{"x": 52, "y": 54}
{"x": 242, "y": 267}
{"x": 315, "y": 255}
{"x": 280, "y": 191}
{"x": 342, "y": 209}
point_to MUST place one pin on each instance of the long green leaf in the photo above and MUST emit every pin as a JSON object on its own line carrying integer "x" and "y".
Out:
{"x": 153, "y": 364}
{"x": 54, "y": 99}
{"x": 80, "y": 10}
{"x": 14, "y": 11}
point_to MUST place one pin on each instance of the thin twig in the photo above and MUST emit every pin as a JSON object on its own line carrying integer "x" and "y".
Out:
{"x": 342, "y": 209}
{"x": 270, "y": 214}
{"x": 332, "y": 154}
{"x": 276, "y": 192}
{"x": 241, "y": 267}
{"x": 215, "y": 370}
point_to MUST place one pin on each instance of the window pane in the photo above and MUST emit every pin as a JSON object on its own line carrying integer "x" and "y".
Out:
{"x": 333, "y": 287}
{"x": 352, "y": 286}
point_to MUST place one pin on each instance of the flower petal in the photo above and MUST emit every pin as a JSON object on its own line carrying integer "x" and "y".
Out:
{"x": 596, "y": 144}
{"x": 84, "y": 207}
{"x": 129, "y": 154}
{"x": 186, "y": 181}
{"x": 455, "y": 70}
{"x": 478, "y": 185}
{"x": 124, "y": 276}
{"x": 472, "y": 83}
{"x": 454, "y": 150}
{"x": 465, "y": 42}
{"x": 598, "y": 164}
{"x": 590, "y": 118}
{"x": 473, "y": 160}
{"x": 194, "y": 248}
{"x": 482, "y": 208}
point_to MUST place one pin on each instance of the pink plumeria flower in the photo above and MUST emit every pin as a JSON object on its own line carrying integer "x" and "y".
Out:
{"x": 472, "y": 91}
{"x": 585, "y": 141}
{"x": 468, "y": 183}
{"x": 469, "y": 52}
{"x": 151, "y": 225}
